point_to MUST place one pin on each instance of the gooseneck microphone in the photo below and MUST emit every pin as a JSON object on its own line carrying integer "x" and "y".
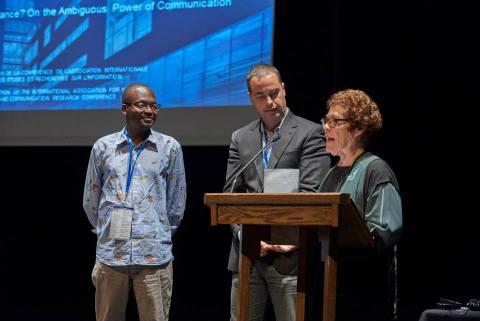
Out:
{"x": 274, "y": 138}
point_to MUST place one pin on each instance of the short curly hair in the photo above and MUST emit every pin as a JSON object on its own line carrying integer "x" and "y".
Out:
{"x": 360, "y": 109}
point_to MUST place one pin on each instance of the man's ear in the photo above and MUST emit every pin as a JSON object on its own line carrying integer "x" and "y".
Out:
{"x": 124, "y": 109}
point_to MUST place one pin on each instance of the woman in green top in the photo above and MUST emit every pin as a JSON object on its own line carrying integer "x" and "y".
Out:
{"x": 353, "y": 118}
{"x": 366, "y": 277}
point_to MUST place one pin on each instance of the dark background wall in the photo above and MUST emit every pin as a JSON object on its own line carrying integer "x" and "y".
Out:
{"x": 413, "y": 57}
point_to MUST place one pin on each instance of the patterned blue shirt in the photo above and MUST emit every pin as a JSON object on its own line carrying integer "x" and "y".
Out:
{"x": 157, "y": 195}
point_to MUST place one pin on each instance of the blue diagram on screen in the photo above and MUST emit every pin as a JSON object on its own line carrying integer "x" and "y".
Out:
{"x": 80, "y": 54}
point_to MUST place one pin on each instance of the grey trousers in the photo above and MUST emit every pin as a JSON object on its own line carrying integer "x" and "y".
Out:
{"x": 266, "y": 281}
{"x": 152, "y": 287}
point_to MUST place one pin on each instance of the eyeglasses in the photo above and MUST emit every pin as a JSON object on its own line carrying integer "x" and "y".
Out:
{"x": 143, "y": 105}
{"x": 333, "y": 122}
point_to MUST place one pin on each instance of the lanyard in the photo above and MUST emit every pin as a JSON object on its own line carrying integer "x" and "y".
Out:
{"x": 131, "y": 163}
{"x": 266, "y": 151}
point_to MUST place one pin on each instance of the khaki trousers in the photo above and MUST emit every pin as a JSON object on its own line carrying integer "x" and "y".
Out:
{"x": 152, "y": 286}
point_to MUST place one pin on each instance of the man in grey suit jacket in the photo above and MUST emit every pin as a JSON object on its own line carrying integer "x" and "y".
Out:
{"x": 301, "y": 145}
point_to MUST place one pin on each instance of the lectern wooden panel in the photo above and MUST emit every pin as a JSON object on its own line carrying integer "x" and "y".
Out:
{"x": 332, "y": 214}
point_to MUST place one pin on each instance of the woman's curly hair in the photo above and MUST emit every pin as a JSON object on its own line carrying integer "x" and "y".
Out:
{"x": 360, "y": 109}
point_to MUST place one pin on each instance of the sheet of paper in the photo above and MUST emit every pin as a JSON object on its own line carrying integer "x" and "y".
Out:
{"x": 280, "y": 180}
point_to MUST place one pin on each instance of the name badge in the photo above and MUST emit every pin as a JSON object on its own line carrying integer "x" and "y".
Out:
{"x": 121, "y": 224}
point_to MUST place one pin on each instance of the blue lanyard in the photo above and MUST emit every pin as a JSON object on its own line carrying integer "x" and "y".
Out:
{"x": 266, "y": 152}
{"x": 131, "y": 163}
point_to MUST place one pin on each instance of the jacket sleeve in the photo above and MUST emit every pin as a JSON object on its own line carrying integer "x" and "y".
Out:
{"x": 384, "y": 214}
{"x": 314, "y": 160}
{"x": 233, "y": 166}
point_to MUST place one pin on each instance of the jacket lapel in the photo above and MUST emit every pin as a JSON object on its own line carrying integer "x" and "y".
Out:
{"x": 287, "y": 131}
{"x": 255, "y": 144}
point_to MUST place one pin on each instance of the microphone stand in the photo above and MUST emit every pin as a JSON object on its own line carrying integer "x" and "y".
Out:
{"x": 274, "y": 138}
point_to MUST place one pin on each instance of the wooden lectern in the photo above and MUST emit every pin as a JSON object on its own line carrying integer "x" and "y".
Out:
{"x": 332, "y": 214}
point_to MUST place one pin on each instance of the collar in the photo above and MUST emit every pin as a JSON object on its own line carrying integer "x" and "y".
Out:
{"x": 122, "y": 139}
{"x": 277, "y": 129}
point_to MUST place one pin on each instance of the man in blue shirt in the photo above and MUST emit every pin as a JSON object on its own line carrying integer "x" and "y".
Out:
{"x": 134, "y": 197}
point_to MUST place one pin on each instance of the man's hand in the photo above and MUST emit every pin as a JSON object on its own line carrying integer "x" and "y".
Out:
{"x": 265, "y": 248}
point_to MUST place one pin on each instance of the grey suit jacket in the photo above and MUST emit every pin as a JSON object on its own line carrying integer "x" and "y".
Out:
{"x": 301, "y": 145}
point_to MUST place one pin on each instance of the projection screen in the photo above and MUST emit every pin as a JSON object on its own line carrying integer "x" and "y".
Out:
{"x": 64, "y": 65}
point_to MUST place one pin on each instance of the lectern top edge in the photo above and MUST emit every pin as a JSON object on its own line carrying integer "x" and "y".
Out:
{"x": 278, "y": 199}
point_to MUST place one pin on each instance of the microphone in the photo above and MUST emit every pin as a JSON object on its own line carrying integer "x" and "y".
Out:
{"x": 274, "y": 138}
